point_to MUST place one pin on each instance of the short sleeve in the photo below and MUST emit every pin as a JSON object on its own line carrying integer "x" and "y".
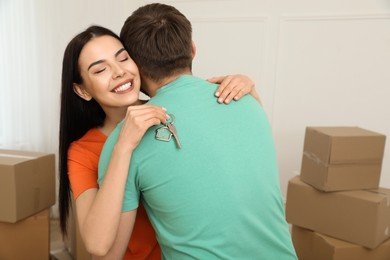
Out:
{"x": 132, "y": 192}
{"x": 82, "y": 169}
{"x": 131, "y": 196}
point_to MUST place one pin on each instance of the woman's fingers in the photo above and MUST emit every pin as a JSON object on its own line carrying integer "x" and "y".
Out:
{"x": 144, "y": 113}
{"x": 216, "y": 80}
{"x": 232, "y": 87}
{"x": 138, "y": 120}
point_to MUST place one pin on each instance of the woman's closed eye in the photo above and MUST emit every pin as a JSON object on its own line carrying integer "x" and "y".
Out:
{"x": 100, "y": 70}
{"x": 124, "y": 59}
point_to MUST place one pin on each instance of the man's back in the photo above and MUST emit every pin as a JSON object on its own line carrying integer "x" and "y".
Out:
{"x": 217, "y": 197}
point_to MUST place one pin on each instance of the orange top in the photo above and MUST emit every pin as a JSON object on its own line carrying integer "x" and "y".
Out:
{"x": 83, "y": 158}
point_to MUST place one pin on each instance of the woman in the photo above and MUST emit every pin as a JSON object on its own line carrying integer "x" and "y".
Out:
{"x": 100, "y": 88}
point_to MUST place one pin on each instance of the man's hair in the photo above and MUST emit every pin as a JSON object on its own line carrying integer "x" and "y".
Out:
{"x": 159, "y": 39}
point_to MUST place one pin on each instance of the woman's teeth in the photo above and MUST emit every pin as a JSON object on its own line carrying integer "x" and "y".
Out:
{"x": 123, "y": 87}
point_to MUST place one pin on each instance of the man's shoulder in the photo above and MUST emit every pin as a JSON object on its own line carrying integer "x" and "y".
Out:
{"x": 113, "y": 137}
{"x": 108, "y": 147}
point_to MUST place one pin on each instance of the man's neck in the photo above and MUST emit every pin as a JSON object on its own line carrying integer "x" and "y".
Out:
{"x": 151, "y": 86}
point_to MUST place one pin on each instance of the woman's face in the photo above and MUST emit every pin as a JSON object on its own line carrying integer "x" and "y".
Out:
{"x": 109, "y": 75}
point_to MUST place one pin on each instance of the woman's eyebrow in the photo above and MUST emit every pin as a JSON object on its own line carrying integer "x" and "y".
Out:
{"x": 101, "y": 61}
{"x": 119, "y": 52}
{"x": 95, "y": 63}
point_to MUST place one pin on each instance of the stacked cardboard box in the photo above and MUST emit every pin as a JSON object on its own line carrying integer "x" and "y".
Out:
{"x": 337, "y": 194}
{"x": 311, "y": 245}
{"x": 27, "y": 191}
{"x": 342, "y": 158}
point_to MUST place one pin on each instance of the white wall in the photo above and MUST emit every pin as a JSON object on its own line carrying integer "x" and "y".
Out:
{"x": 321, "y": 63}
{"x": 314, "y": 62}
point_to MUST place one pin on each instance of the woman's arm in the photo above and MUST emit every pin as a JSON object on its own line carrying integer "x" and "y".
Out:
{"x": 233, "y": 87}
{"x": 118, "y": 250}
{"x": 99, "y": 211}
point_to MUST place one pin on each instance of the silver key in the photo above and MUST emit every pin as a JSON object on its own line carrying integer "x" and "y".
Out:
{"x": 163, "y": 134}
{"x": 166, "y": 132}
{"x": 172, "y": 129}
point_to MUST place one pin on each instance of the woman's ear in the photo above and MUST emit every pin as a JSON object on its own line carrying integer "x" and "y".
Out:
{"x": 193, "y": 49}
{"x": 81, "y": 92}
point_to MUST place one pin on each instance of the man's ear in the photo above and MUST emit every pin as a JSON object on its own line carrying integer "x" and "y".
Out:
{"x": 193, "y": 50}
{"x": 81, "y": 92}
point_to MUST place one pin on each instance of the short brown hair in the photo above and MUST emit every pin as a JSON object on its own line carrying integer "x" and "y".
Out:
{"x": 159, "y": 39}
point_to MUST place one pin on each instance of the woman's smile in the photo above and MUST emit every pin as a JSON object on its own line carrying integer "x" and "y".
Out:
{"x": 123, "y": 88}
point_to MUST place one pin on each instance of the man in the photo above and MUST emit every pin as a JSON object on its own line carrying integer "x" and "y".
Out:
{"x": 212, "y": 190}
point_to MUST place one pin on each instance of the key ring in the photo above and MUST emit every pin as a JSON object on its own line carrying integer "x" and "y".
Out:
{"x": 171, "y": 119}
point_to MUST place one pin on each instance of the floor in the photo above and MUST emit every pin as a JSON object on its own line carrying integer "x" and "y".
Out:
{"x": 58, "y": 249}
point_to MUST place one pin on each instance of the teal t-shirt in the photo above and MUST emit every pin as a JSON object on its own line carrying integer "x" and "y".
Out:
{"x": 218, "y": 197}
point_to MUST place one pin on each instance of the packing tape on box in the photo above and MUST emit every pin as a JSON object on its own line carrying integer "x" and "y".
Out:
{"x": 311, "y": 156}
{"x": 17, "y": 156}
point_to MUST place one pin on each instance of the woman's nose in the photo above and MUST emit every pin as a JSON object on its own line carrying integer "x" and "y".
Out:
{"x": 118, "y": 72}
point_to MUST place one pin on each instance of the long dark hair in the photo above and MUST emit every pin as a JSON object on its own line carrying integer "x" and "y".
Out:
{"x": 77, "y": 115}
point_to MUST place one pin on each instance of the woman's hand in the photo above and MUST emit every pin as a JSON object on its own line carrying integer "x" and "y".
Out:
{"x": 137, "y": 121}
{"x": 233, "y": 87}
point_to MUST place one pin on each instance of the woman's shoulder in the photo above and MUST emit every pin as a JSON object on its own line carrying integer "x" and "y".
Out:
{"x": 92, "y": 141}
{"x": 93, "y": 135}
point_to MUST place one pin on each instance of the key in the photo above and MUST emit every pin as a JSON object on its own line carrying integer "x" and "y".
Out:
{"x": 172, "y": 129}
{"x": 163, "y": 134}
{"x": 166, "y": 132}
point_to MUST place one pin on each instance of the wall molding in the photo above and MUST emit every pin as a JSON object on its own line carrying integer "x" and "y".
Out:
{"x": 220, "y": 19}
{"x": 191, "y": 1}
{"x": 327, "y": 17}
{"x": 286, "y": 19}
{"x": 259, "y": 32}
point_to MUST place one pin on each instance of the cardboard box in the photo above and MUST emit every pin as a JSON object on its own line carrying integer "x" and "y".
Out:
{"x": 342, "y": 158}
{"x": 26, "y": 239}
{"x": 311, "y": 245}
{"x": 340, "y": 176}
{"x": 27, "y": 184}
{"x": 361, "y": 217}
